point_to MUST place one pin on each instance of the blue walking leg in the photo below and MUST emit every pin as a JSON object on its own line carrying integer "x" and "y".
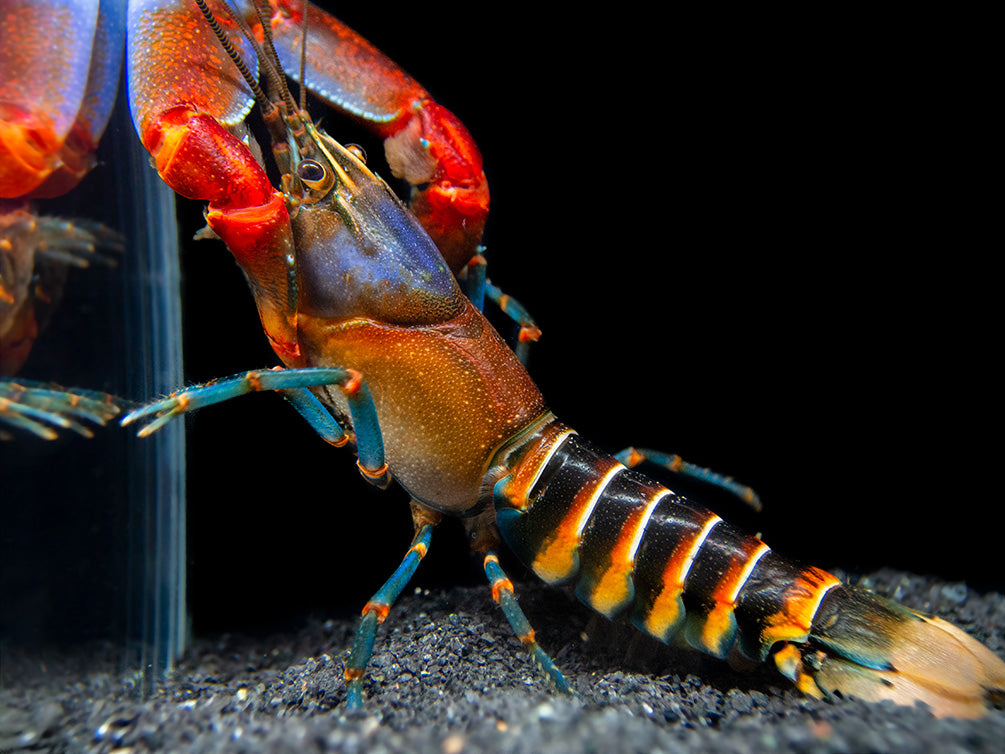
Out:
{"x": 529, "y": 331}
{"x": 477, "y": 287}
{"x": 473, "y": 280}
{"x": 369, "y": 442}
{"x": 632, "y": 457}
{"x": 376, "y": 611}
{"x": 37, "y": 407}
{"x": 502, "y": 593}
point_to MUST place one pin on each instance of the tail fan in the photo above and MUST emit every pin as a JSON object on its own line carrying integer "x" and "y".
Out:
{"x": 865, "y": 646}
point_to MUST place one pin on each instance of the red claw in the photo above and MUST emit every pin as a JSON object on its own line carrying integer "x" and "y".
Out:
{"x": 28, "y": 145}
{"x": 200, "y": 159}
{"x": 75, "y": 160}
{"x": 426, "y": 144}
{"x": 60, "y": 69}
{"x": 454, "y": 206}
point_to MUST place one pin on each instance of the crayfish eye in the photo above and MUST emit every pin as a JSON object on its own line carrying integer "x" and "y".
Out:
{"x": 316, "y": 178}
{"x": 314, "y": 175}
{"x": 356, "y": 151}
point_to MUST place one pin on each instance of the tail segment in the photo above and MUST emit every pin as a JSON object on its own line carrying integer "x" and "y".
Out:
{"x": 575, "y": 515}
{"x": 869, "y": 647}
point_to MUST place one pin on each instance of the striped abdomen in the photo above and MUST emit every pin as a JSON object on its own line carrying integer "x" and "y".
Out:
{"x": 574, "y": 514}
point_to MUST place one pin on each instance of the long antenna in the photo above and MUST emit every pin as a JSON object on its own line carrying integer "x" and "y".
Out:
{"x": 278, "y": 77}
{"x": 303, "y": 60}
{"x": 263, "y": 101}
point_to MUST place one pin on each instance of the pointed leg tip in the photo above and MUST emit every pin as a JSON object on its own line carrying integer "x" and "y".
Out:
{"x": 354, "y": 696}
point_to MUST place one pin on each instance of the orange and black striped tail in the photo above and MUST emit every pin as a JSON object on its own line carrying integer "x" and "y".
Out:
{"x": 632, "y": 547}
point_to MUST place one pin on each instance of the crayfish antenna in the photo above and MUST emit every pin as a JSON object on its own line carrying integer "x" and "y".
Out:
{"x": 875, "y": 649}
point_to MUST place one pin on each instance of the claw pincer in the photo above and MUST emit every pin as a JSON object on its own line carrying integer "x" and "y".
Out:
{"x": 60, "y": 66}
{"x": 185, "y": 119}
{"x": 59, "y": 69}
{"x": 425, "y": 143}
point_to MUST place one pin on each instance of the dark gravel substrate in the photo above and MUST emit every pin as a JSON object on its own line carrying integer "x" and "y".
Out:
{"x": 447, "y": 676}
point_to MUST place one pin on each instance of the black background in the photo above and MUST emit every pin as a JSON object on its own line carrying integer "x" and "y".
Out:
{"x": 744, "y": 241}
